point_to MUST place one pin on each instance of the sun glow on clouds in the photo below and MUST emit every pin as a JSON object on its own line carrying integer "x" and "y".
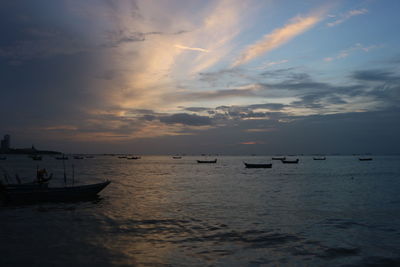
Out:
{"x": 150, "y": 69}
{"x": 278, "y": 37}
{"x": 192, "y": 48}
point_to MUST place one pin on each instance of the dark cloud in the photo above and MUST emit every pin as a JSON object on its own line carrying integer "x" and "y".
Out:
{"x": 376, "y": 76}
{"x": 186, "y": 119}
{"x": 196, "y": 109}
{"x": 271, "y": 106}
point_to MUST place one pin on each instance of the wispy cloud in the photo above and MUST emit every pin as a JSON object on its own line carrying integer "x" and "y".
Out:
{"x": 278, "y": 37}
{"x": 346, "y": 52}
{"x": 343, "y": 17}
{"x": 272, "y": 63}
{"x": 192, "y": 48}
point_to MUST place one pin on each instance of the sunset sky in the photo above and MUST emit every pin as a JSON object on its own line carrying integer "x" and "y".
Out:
{"x": 229, "y": 77}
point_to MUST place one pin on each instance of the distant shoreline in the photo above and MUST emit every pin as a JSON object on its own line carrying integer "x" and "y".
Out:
{"x": 29, "y": 151}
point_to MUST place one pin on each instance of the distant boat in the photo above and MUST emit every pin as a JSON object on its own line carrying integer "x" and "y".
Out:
{"x": 207, "y": 161}
{"x": 44, "y": 193}
{"x": 133, "y": 158}
{"x": 253, "y": 165}
{"x": 291, "y": 161}
{"x": 89, "y": 157}
{"x": 177, "y": 157}
{"x": 278, "y": 158}
{"x": 62, "y": 157}
{"x": 122, "y": 157}
{"x": 364, "y": 159}
{"x": 78, "y": 157}
{"x": 3, "y": 158}
{"x": 319, "y": 158}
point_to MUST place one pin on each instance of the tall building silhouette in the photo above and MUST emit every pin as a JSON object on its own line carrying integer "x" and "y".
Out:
{"x": 5, "y": 143}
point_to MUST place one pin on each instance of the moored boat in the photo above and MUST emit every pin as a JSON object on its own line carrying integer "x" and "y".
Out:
{"x": 364, "y": 159}
{"x": 44, "y": 193}
{"x": 133, "y": 158}
{"x": 176, "y": 157}
{"x": 319, "y": 158}
{"x": 207, "y": 161}
{"x": 278, "y": 158}
{"x": 291, "y": 161}
{"x": 255, "y": 165}
{"x": 3, "y": 157}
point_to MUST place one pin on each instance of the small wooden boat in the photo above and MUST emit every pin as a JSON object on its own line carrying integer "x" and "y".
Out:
{"x": 278, "y": 158}
{"x": 78, "y": 157}
{"x": 122, "y": 157}
{"x": 133, "y": 158}
{"x": 364, "y": 159}
{"x": 253, "y": 165}
{"x": 319, "y": 158}
{"x": 177, "y": 157}
{"x": 290, "y": 161}
{"x": 43, "y": 193}
{"x": 207, "y": 161}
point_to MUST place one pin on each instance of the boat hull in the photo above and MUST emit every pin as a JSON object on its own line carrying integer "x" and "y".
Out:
{"x": 290, "y": 161}
{"x": 257, "y": 166}
{"x": 38, "y": 194}
{"x": 207, "y": 161}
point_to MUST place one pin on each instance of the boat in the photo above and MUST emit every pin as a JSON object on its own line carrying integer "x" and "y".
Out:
{"x": 122, "y": 157}
{"x": 133, "y": 158}
{"x": 3, "y": 158}
{"x": 278, "y": 158}
{"x": 177, "y": 157}
{"x": 78, "y": 157}
{"x": 319, "y": 158}
{"x": 253, "y": 165}
{"x": 44, "y": 193}
{"x": 364, "y": 159}
{"x": 207, "y": 161}
{"x": 290, "y": 161}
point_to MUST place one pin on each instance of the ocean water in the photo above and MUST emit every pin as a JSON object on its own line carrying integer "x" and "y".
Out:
{"x": 160, "y": 211}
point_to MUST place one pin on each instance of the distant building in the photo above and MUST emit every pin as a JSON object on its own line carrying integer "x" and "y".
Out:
{"x": 5, "y": 143}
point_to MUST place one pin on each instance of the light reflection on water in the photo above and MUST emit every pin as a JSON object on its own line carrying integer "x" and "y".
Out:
{"x": 161, "y": 211}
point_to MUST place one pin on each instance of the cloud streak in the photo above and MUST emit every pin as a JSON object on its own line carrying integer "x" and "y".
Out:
{"x": 192, "y": 48}
{"x": 278, "y": 37}
{"x": 347, "y": 16}
{"x": 346, "y": 52}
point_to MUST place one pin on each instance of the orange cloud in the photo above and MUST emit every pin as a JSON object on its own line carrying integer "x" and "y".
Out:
{"x": 278, "y": 37}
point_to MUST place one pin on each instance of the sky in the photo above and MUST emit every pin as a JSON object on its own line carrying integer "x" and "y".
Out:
{"x": 227, "y": 77}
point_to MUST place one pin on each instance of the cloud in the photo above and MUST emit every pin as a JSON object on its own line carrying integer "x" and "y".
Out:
{"x": 192, "y": 48}
{"x": 346, "y": 16}
{"x": 272, "y": 63}
{"x": 376, "y": 75}
{"x": 278, "y": 37}
{"x": 186, "y": 119}
{"x": 346, "y": 52}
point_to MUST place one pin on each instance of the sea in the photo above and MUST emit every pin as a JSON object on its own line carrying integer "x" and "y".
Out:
{"x": 160, "y": 211}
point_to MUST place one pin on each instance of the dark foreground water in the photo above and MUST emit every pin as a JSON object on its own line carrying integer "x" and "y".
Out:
{"x": 162, "y": 211}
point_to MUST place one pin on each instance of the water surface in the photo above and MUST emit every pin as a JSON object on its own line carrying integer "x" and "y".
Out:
{"x": 164, "y": 211}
